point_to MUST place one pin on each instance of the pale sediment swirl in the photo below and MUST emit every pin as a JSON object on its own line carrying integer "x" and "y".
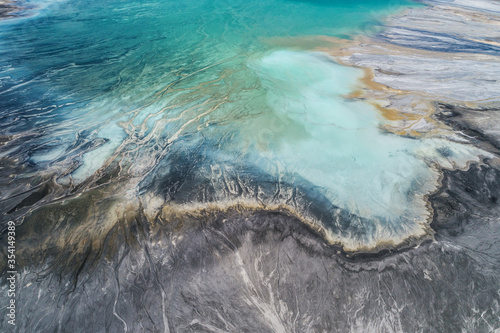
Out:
{"x": 219, "y": 99}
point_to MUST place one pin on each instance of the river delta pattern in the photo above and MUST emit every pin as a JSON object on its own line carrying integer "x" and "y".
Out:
{"x": 284, "y": 166}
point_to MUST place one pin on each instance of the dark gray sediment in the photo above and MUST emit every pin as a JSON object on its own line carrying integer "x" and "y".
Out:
{"x": 263, "y": 272}
{"x": 93, "y": 260}
{"x": 243, "y": 270}
{"x": 9, "y": 8}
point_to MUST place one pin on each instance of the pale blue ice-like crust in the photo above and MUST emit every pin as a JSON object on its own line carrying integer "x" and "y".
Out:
{"x": 340, "y": 145}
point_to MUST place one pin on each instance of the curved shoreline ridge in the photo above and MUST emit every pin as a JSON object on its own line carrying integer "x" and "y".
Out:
{"x": 412, "y": 68}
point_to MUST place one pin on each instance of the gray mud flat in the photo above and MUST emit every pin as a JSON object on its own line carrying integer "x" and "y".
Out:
{"x": 268, "y": 272}
{"x": 119, "y": 268}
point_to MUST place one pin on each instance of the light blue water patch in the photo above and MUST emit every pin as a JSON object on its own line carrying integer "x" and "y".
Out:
{"x": 341, "y": 146}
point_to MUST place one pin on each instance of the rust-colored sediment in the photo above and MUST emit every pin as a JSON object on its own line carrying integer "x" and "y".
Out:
{"x": 399, "y": 122}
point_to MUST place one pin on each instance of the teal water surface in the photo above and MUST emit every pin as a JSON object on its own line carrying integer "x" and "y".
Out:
{"x": 109, "y": 58}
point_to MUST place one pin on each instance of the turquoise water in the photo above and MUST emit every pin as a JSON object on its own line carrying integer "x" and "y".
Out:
{"x": 86, "y": 85}
{"x": 109, "y": 58}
